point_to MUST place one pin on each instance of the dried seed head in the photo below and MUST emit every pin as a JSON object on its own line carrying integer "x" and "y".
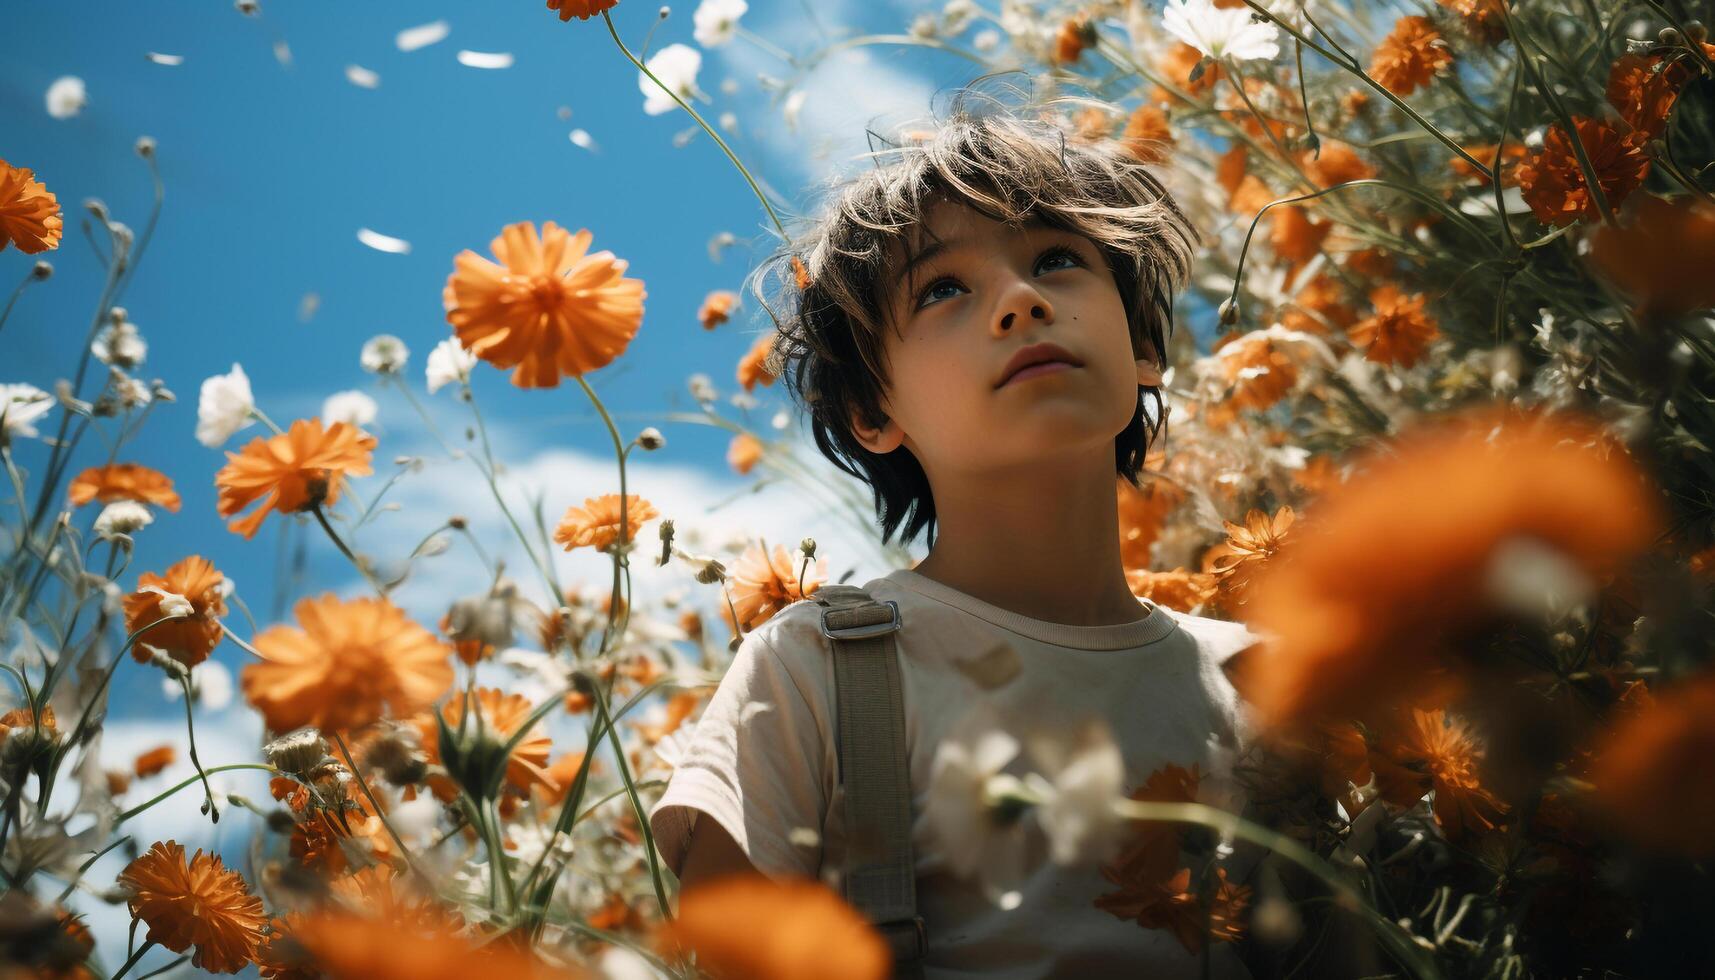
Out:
{"x": 299, "y": 752}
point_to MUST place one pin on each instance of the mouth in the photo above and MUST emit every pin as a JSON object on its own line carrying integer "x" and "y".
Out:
{"x": 1038, "y": 370}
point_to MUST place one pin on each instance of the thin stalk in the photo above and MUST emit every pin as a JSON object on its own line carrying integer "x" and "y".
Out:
{"x": 260, "y": 767}
{"x": 28, "y": 278}
{"x": 362, "y": 567}
{"x": 191, "y": 730}
{"x": 545, "y": 567}
{"x": 164, "y": 969}
{"x": 126, "y": 968}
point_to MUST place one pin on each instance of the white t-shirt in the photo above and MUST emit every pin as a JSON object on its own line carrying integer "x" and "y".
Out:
{"x": 763, "y": 760}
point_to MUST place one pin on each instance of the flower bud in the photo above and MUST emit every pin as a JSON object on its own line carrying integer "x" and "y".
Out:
{"x": 1229, "y": 312}
{"x": 42, "y": 271}
{"x": 651, "y": 439}
{"x": 95, "y": 207}
{"x": 145, "y": 146}
{"x": 808, "y": 547}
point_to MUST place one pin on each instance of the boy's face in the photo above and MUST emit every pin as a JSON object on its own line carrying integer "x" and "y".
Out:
{"x": 978, "y": 292}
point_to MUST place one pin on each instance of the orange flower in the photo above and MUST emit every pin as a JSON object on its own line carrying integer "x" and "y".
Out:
{"x": 1662, "y": 255}
{"x": 746, "y": 925}
{"x": 596, "y": 523}
{"x": 21, "y": 718}
{"x": 1147, "y": 134}
{"x": 1348, "y": 612}
{"x": 1076, "y": 34}
{"x": 1248, "y": 549}
{"x": 761, "y": 584}
{"x": 200, "y": 903}
{"x": 1399, "y": 331}
{"x": 1643, "y": 90}
{"x": 1434, "y": 752}
{"x": 743, "y": 452}
{"x": 29, "y": 212}
{"x": 1336, "y": 163}
{"x": 1143, "y": 514}
{"x": 1651, "y": 770}
{"x": 1483, "y": 18}
{"x": 1173, "y": 905}
{"x": 293, "y": 472}
{"x": 1176, "y": 65}
{"x": 1553, "y": 185}
{"x": 349, "y": 661}
{"x": 679, "y": 707}
{"x": 501, "y": 715}
{"x": 124, "y": 481}
{"x": 753, "y": 367}
{"x": 1180, "y": 589}
{"x": 1320, "y": 474}
{"x": 1319, "y": 305}
{"x": 1252, "y": 196}
{"x": 1410, "y": 56}
{"x": 562, "y": 774}
{"x": 347, "y": 946}
{"x": 717, "y": 307}
{"x": 1511, "y": 155}
{"x": 1258, "y": 373}
{"x": 800, "y": 274}
{"x": 581, "y": 9}
{"x": 548, "y": 308}
{"x": 153, "y": 761}
{"x": 1295, "y": 237}
{"x": 1373, "y": 263}
{"x": 189, "y": 641}
{"x": 1232, "y": 168}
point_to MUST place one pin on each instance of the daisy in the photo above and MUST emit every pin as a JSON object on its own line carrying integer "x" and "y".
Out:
{"x": 676, "y": 65}
{"x": 224, "y": 407}
{"x": 29, "y": 212}
{"x": 199, "y": 903}
{"x": 292, "y": 472}
{"x": 447, "y": 363}
{"x": 347, "y": 663}
{"x": 384, "y": 354}
{"x": 350, "y": 407}
{"x": 188, "y": 641}
{"x": 975, "y": 838}
{"x": 717, "y": 21}
{"x": 1220, "y": 32}
{"x": 124, "y": 481}
{"x": 548, "y": 308}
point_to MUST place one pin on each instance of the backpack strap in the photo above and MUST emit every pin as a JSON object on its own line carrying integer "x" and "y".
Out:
{"x": 879, "y": 876}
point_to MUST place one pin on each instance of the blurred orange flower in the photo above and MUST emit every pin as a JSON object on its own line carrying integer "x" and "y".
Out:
{"x": 1336, "y": 163}
{"x": 1651, "y": 770}
{"x": 596, "y": 523}
{"x": 1319, "y": 305}
{"x": 1296, "y": 238}
{"x": 581, "y": 9}
{"x": 1553, "y": 184}
{"x": 1143, "y": 512}
{"x": 151, "y": 763}
{"x": 1399, "y": 330}
{"x": 296, "y": 471}
{"x": 548, "y": 308}
{"x": 1511, "y": 155}
{"x": 1409, "y": 57}
{"x": 1180, "y": 588}
{"x": 348, "y": 662}
{"x": 761, "y": 584}
{"x": 502, "y": 715}
{"x": 357, "y": 946}
{"x": 1434, "y": 752}
{"x": 717, "y": 307}
{"x": 1076, "y": 34}
{"x": 197, "y": 903}
{"x": 747, "y": 925}
{"x": 189, "y": 641}
{"x": 753, "y": 368}
{"x": 1259, "y": 373}
{"x": 1403, "y": 553}
{"x": 1483, "y": 18}
{"x": 1147, "y": 134}
{"x": 743, "y": 453}
{"x": 29, "y": 212}
{"x": 124, "y": 481}
{"x": 1643, "y": 91}
{"x": 1662, "y": 255}
{"x": 1176, "y": 65}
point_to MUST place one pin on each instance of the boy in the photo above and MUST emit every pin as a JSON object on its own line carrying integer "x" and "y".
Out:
{"x": 989, "y": 245}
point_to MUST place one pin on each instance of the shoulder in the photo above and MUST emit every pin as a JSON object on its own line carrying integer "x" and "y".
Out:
{"x": 1218, "y": 640}
{"x": 791, "y": 641}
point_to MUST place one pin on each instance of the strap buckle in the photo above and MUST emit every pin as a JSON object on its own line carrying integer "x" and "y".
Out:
{"x": 860, "y": 632}
{"x": 907, "y": 937}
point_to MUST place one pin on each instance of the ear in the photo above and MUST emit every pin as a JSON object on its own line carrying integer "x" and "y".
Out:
{"x": 1148, "y": 373}
{"x": 879, "y": 441}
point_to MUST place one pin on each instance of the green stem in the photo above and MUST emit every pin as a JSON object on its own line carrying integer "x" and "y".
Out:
{"x": 19, "y": 291}
{"x": 706, "y": 127}
{"x": 260, "y": 767}
{"x": 191, "y": 730}
{"x": 1597, "y": 195}
{"x": 545, "y": 566}
{"x": 164, "y": 969}
{"x": 361, "y": 566}
{"x": 380, "y": 814}
{"x": 134, "y": 956}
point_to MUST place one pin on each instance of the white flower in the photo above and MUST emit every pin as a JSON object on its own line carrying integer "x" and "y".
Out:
{"x": 1218, "y": 32}
{"x": 120, "y": 345}
{"x": 676, "y": 66}
{"x": 211, "y": 686}
{"x": 717, "y": 21}
{"x": 66, "y": 97}
{"x": 448, "y": 362}
{"x": 172, "y": 604}
{"x": 353, "y": 407}
{"x": 131, "y": 392}
{"x": 20, "y": 406}
{"x": 384, "y": 354}
{"x": 122, "y": 517}
{"x": 1078, "y": 815}
{"x": 974, "y": 839}
{"x": 794, "y": 105}
{"x": 224, "y": 407}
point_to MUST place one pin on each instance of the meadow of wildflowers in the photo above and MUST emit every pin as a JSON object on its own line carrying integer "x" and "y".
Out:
{"x": 1449, "y": 453}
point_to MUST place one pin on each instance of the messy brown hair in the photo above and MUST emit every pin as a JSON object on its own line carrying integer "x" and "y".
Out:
{"x": 825, "y": 290}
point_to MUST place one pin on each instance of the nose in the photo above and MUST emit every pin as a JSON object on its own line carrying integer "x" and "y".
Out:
{"x": 1023, "y": 300}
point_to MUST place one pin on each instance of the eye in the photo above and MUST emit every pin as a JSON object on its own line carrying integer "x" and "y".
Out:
{"x": 929, "y": 292}
{"x": 1058, "y": 252}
